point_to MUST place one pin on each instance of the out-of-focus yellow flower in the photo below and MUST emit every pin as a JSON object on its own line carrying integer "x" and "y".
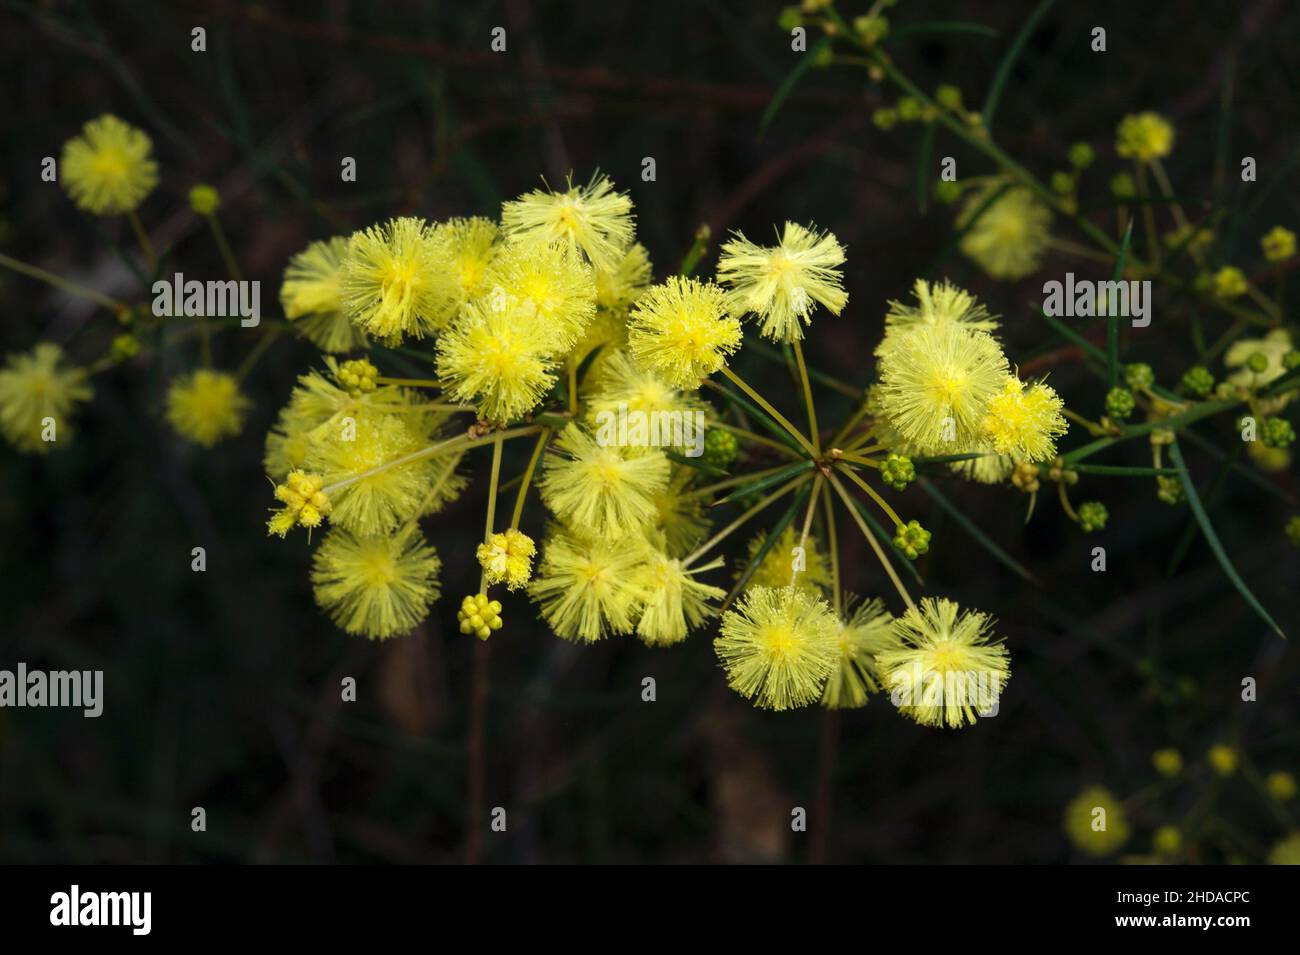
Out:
{"x": 204, "y": 199}
{"x": 206, "y": 407}
{"x": 1096, "y": 822}
{"x": 37, "y": 394}
{"x": 1144, "y": 137}
{"x": 312, "y": 297}
{"x": 1010, "y": 237}
{"x": 108, "y": 170}
{"x": 1168, "y": 762}
{"x": 1281, "y": 785}
{"x": 1223, "y": 759}
{"x": 1278, "y": 244}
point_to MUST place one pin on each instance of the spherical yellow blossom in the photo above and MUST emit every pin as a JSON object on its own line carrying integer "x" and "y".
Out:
{"x": 108, "y": 170}
{"x": 1096, "y": 822}
{"x": 1281, "y": 785}
{"x": 206, "y": 407}
{"x": 358, "y": 457}
{"x": 1024, "y": 422}
{"x": 480, "y": 616}
{"x": 989, "y": 468}
{"x": 938, "y": 303}
{"x": 1168, "y": 762}
{"x": 618, "y": 288}
{"x": 867, "y": 632}
{"x": 781, "y": 285}
{"x": 1230, "y": 282}
{"x": 674, "y": 601}
{"x": 588, "y": 587}
{"x": 605, "y": 490}
{"x": 36, "y": 386}
{"x": 1167, "y": 840}
{"x": 1223, "y": 759}
{"x": 681, "y": 330}
{"x": 593, "y": 218}
{"x": 936, "y": 382}
{"x": 947, "y": 669}
{"x": 377, "y": 587}
{"x": 312, "y": 297}
{"x": 497, "y": 359}
{"x": 1278, "y": 244}
{"x": 1144, "y": 137}
{"x": 204, "y": 199}
{"x": 1010, "y": 237}
{"x": 619, "y": 383}
{"x": 1274, "y": 347}
{"x": 779, "y": 646}
{"x": 472, "y": 247}
{"x": 507, "y": 558}
{"x": 397, "y": 279}
{"x": 305, "y": 502}
{"x": 553, "y": 283}
{"x": 680, "y": 516}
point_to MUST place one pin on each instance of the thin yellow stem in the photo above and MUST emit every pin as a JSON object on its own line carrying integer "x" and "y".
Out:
{"x": 492, "y": 502}
{"x": 269, "y": 335}
{"x": 409, "y": 382}
{"x": 832, "y": 544}
{"x": 858, "y": 414}
{"x": 813, "y": 431}
{"x": 871, "y": 539}
{"x": 72, "y": 288}
{"x": 542, "y": 438}
{"x": 461, "y": 442}
{"x": 723, "y": 534}
{"x": 807, "y": 520}
{"x": 143, "y": 238}
{"x": 732, "y": 482}
{"x": 766, "y": 406}
{"x": 880, "y": 501}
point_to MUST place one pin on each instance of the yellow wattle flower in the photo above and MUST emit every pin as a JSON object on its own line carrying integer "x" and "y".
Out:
{"x": 376, "y": 587}
{"x": 608, "y": 491}
{"x": 1096, "y": 823}
{"x": 682, "y": 331}
{"x": 1010, "y": 237}
{"x": 507, "y": 558}
{"x": 588, "y": 587}
{"x": 593, "y": 219}
{"x": 206, "y": 407}
{"x": 305, "y": 502}
{"x": 552, "y": 284}
{"x": 779, "y": 646}
{"x": 36, "y": 389}
{"x": 936, "y": 382}
{"x": 312, "y": 297}
{"x": 108, "y": 169}
{"x": 674, "y": 601}
{"x": 497, "y": 359}
{"x": 1024, "y": 422}
{"x": 396, "y": 279}
{"x": 782, "y": 284}
{"x": 938, "y": 303}
{"x": 1144, "y": 136}
{"x": 867, "y": 632}
{"x": 947, "y": 668}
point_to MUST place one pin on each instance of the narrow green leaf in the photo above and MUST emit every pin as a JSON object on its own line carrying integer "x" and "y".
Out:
{"x": 1211, "y": 538}
{"x": 1189, "y": 532}
{"x": 942, "y": 26}
{"x": 1249, "y": 473}
{"x": 1065, "y": 331}
{"x": 776, "y": 477}
{"x": 923, "y": 167}
{"x": 1118, "y": 470}
{"x": 697, "y": 464}
{"x": 1112, "y": 321}
{"x": 981, "y": 538}
{"x": 1004, "y": 68}
{"x": 791, "y": 80}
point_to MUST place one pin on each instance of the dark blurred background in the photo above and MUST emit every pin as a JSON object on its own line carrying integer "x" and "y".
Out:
{"x": 222, "y": 688}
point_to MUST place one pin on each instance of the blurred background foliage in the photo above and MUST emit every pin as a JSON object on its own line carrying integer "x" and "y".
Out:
{"x": 223, "y": 687}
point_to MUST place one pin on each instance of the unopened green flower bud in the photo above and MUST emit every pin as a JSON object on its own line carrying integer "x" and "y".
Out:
{"x": 1092, "y": 516}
